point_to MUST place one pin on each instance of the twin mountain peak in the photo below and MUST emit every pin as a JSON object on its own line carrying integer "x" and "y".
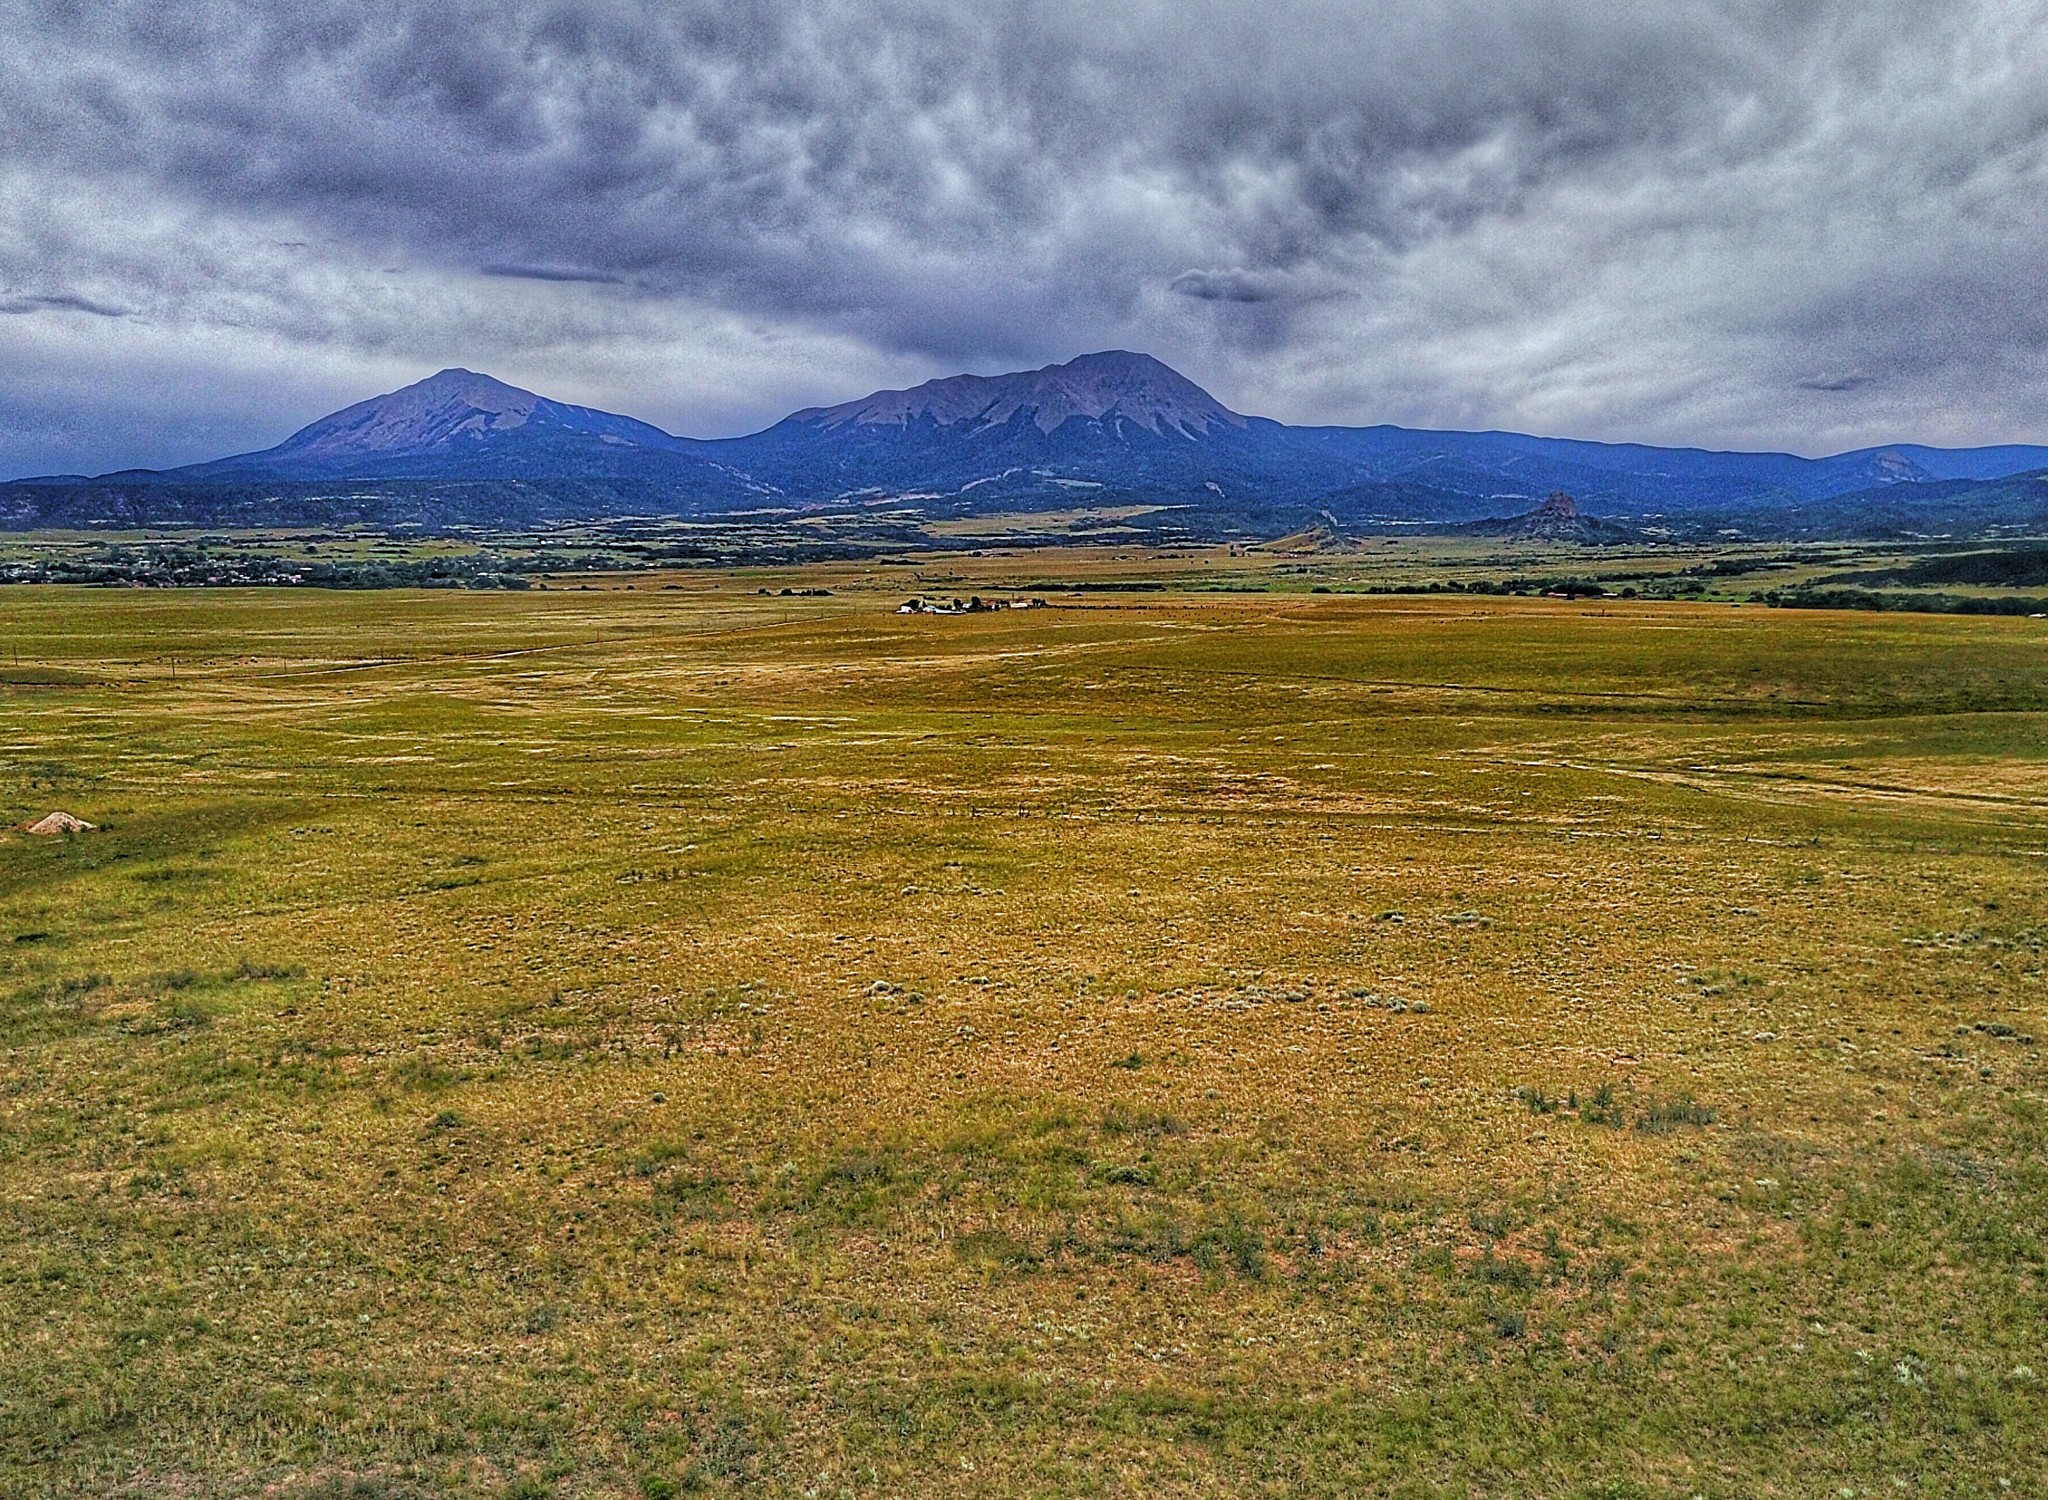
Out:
{"x": 458, "y": 408}
{"x": 1109, "y": 428}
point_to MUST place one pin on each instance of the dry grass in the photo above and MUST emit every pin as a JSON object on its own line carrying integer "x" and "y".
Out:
{"x": 622, "y": 1042}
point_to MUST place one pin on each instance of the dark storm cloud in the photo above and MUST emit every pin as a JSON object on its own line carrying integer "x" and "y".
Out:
{"x": 551, "y": 273}
{"x": 1225, "y": 286}
{"x": 1651, "y": 219}
{"x": 58, "y": 302}
{"x": 918, "y": 170}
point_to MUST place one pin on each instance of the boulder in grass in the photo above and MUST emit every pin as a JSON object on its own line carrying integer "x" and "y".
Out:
{"x": 60, "y": 823}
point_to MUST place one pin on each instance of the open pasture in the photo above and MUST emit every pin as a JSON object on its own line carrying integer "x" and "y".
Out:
{"x": 630, "y": 1043}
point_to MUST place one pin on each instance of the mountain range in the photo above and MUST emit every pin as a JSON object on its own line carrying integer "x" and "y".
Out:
{"x": 1109, "y": 428}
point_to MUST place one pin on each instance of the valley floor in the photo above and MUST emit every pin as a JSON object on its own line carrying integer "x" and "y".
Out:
{"x": 633, "y": 1042}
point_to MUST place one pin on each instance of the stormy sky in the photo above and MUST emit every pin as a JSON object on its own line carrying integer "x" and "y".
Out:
{"x": 1803, "y": 224}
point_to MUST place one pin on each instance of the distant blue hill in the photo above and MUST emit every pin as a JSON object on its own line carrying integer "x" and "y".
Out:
{"x": 1108, "y": 428}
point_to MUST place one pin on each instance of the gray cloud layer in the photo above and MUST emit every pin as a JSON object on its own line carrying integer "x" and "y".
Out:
{"x": 1806, "y": 223}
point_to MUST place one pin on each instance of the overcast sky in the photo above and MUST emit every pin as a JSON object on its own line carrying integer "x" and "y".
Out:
{"x": 1803, "y": 224}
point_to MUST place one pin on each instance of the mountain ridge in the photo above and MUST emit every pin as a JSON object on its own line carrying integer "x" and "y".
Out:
{"x": 1113, "y": 425}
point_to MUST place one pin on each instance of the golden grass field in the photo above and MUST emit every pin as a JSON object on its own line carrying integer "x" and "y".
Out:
{"x": 628, "y": 1043}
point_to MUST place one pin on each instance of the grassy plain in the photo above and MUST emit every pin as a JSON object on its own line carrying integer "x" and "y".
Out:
{"x": 639, "y": 1042}
{"x": 1095, "y": 547}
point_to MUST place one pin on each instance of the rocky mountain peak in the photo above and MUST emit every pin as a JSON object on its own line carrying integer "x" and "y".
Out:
{"x": 429, "y": 413}
{"x": 452, "y": 410}
{"x": 1112, "y": 386}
